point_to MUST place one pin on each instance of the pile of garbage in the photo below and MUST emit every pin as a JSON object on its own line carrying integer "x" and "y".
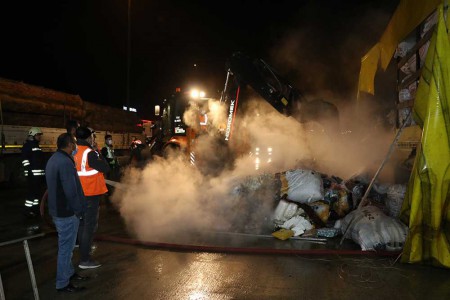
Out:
{"x": 304, "y": 202}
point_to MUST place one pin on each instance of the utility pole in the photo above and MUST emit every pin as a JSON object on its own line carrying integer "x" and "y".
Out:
{"x": 128, "y": 54}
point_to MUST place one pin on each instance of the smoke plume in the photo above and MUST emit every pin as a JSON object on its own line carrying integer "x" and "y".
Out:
{"x": 233, "y": 186}
{"x": 171, "y": 198}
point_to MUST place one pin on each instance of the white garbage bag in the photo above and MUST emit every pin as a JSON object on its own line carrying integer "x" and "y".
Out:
{"x": 304, "y": 186}
{"x": 373, "y": 230}
{"x": 286, "y": 210}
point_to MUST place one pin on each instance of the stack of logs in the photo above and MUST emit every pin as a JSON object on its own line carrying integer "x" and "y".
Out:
{"x": 27, "y": 105}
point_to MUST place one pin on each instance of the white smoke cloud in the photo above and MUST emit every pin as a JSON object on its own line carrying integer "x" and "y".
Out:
{"x": 233, "y": 186}
{"x": 171, "y": 197}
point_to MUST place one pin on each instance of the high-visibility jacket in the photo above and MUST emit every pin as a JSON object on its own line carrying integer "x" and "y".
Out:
{"x": 92, "y": 181}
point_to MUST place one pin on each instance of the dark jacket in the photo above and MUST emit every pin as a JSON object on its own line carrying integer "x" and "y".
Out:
{"x": 65, "y": 194}
{"x": 33, "y": 159}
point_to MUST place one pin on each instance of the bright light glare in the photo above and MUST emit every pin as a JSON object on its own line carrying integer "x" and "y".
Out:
{"x": 195, "y": 93}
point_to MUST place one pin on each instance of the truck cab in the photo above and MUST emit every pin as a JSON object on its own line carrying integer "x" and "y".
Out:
{"x": 173, "y": 134}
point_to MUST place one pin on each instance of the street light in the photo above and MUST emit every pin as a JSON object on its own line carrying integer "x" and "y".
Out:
{"x": 128, "y": 52}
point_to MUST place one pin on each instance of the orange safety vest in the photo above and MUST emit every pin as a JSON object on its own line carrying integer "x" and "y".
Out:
{"x": 92, "y": 181}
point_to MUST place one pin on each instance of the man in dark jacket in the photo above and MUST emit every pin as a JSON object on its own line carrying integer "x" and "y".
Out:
{"x": 66, "y": 206}
{"x": 111, "y": 158}
{"x": 33, "y": 162}
{"x": 91, "y": 167}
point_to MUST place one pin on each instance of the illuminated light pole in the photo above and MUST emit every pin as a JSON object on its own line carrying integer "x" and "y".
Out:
{"x": 128, "y": 52}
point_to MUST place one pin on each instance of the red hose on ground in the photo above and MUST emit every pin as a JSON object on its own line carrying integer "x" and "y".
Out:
{"x": 200, "y": 248}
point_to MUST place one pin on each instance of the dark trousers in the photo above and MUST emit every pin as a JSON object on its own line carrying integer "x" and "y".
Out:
{"x": 88, "y": 226}
{"x": 35, "y": 191}
{"x": 113, "y": 175}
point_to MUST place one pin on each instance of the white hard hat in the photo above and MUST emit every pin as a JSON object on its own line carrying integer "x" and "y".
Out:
{"x": 34, "y": 130}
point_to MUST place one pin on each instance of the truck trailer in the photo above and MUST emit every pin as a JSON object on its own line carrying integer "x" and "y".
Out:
{"x": 23, "y": 106}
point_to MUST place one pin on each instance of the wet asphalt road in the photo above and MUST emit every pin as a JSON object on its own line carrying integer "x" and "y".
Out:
{"x": 141, "y": 272}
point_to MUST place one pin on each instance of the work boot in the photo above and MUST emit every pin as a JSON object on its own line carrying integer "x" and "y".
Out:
{"x": 71, "y": 288}
{"x": 33, "y": 229}
{"x": 29, "y": 214}
{"x": 79, "y": 277}
{"x": 90, "y": 264}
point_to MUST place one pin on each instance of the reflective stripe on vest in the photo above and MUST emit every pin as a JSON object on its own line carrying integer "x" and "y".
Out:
{"x": 83, "y": 171}
{"x": 92, "y": 181}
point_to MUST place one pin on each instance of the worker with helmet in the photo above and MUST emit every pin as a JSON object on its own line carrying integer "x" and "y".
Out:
{"x": 33, "y": 162}
{"x": 91, "y": 167}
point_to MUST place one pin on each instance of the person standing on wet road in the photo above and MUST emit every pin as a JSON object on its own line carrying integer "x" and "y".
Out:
{"x": 91, "y": 166}
{"x": 33, "y": 162}
{"x": 111, "y": 158}
{"x": 66, "y": 206}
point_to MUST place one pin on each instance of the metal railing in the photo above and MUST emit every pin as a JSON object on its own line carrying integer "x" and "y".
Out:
{"x": 29, "y": 262}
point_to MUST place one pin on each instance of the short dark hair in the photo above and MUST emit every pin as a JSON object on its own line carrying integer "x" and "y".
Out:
{"x": 64, "y": 140}
{"x": 72, "y": 124}
{"x": 108, "y": 136}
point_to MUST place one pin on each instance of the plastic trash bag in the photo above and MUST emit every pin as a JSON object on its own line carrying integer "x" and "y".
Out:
{"x": 394, "y": 200}
{"x": 322, "y": 210}
{"x": 304, "y": 186}
{"x": 373, "y": 230}
{"x": 286, "y": 210}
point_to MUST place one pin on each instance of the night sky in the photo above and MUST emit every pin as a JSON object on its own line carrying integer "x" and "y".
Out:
{"x": 80, "y": 47}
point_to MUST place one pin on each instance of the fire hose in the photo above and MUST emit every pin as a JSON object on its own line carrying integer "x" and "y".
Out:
{"x": 241, "y": 250}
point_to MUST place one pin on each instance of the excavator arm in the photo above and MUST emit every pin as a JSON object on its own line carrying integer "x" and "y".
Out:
{"x": 243, "y": 70}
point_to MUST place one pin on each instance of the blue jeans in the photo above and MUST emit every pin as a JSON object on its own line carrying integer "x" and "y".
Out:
{"x": 67, "y": 233}
{"x": 88, "y": 226}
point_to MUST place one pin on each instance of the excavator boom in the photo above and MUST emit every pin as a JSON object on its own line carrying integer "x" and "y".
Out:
{"x": 243, "y": 70}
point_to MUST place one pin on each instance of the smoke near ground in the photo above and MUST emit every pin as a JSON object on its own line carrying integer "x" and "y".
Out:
{"x": 171, "y": 197}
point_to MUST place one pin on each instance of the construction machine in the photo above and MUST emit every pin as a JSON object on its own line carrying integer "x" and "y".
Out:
{"x": 244, "y": 71}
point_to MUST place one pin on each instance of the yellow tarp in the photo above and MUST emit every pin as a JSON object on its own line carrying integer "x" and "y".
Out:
{"x": 426, "y": 208}
{"x": 369, "y": 66}
{"x": 408, "y": 15}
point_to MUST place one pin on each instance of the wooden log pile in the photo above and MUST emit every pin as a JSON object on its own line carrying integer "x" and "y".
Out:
{"x": 28, "y": 105}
